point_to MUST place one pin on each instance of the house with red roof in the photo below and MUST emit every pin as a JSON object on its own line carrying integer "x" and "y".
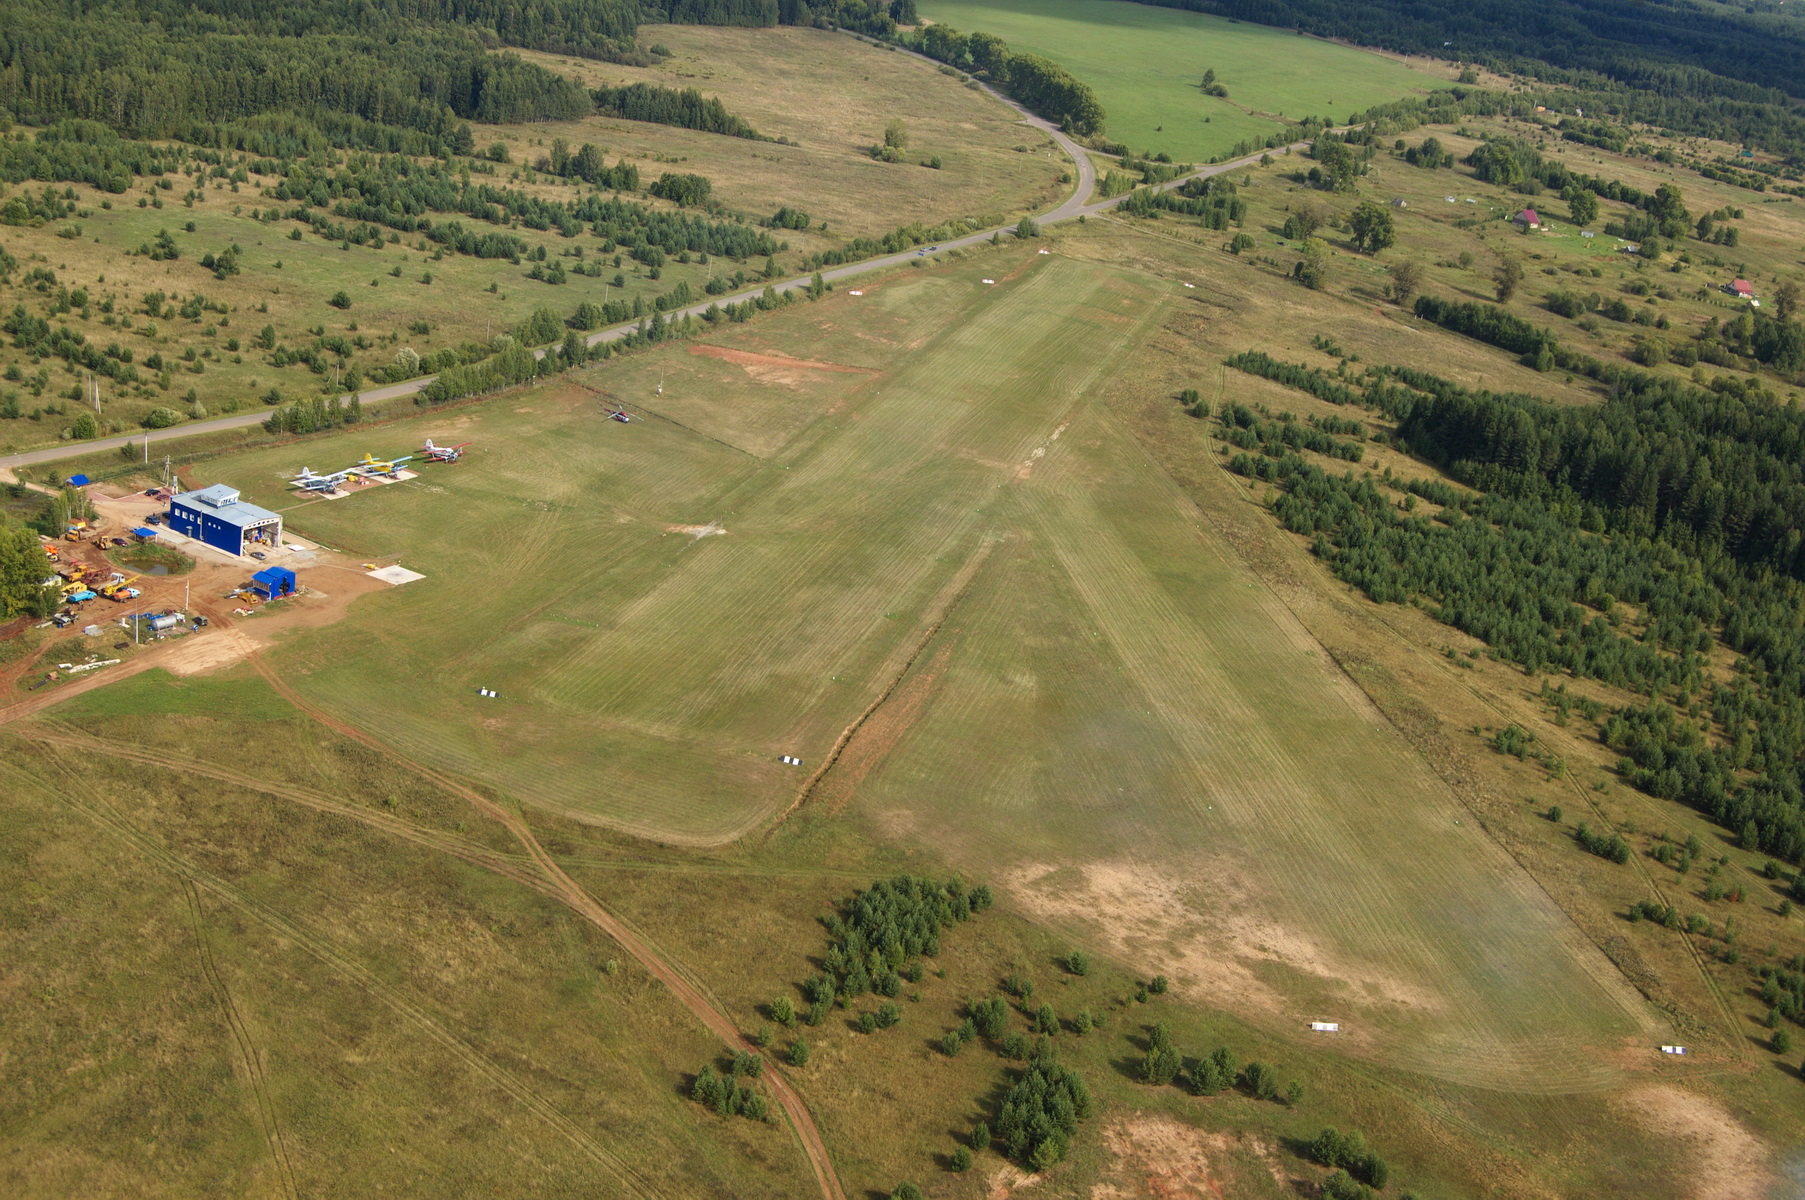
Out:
{"x": 1741, "y": 290}
{"x": 1528, "y": 219}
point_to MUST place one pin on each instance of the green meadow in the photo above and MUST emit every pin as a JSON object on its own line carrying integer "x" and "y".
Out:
{"x": 1146, "y": 63}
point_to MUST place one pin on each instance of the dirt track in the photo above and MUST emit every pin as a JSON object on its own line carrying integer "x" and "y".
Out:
{"x": 564, "y": 889}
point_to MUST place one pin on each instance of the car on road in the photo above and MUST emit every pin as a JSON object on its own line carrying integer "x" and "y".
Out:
{"x": 259, "y": 555}
{"x": 933, "y": 247}
{"x": 920, "y": 253}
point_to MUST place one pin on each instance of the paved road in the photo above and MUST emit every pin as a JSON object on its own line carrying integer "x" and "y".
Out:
{"x": 1072, "y": 207}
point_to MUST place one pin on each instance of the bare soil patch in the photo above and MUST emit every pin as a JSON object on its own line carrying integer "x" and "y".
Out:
{"x": 752, "y": 361}
{"x": 1730, "y": 1162}
{"x": 1159, "y": 1156}
{"x": 1218, "y": 945}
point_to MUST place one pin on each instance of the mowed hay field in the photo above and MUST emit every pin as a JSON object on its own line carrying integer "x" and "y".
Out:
{"x": 1098, "y": 707}
{"x": 1156, "y": 757}
{"x": 219, "y": 989}
{"x": 1146, "y": 63}
{"x": 651, "y": 671}
{"x": 832, "y": 95}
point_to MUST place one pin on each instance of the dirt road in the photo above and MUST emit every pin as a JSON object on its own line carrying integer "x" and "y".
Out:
{"x": 571, "y": 894}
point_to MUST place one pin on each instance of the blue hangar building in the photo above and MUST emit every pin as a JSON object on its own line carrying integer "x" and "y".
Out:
{"x": 215, "y": 515}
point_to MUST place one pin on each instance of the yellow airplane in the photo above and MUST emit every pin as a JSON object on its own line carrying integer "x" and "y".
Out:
{"x": 371, "y": 465}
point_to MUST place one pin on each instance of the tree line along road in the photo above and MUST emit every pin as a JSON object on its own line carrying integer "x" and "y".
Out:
{"x": 1072, "y": 207}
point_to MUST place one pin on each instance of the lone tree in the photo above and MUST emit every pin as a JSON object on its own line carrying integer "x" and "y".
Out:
{"x": 1372, "y": 227}
{"x": 1584, "y": 206}
{"x": 1303, "y": 222}
{"x": 1338, "y": 166}
{"x": 1027, "y": 227}
{"x": 1406, "y": 280}
{"x": 1312, "y": 270}
{"x": 1507, "y": 276}
{"x": 896, "y": 135}
{"x": 1786, "y": 300}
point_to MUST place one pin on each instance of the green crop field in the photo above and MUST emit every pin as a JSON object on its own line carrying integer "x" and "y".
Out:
{"x": 1146, "y": 63}
{"x": 1102, "y": 711}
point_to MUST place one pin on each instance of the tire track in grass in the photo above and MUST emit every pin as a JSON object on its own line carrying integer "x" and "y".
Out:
{"x": 100, "y": 813}
{"x": 572, "y": 895}
{"x": 516, "y": 868}
{"x": 246, "y": 1044}
{"x": 943, "y": 606}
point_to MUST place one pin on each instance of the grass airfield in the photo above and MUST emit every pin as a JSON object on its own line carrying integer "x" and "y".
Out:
{"x": 1093, "y": 702}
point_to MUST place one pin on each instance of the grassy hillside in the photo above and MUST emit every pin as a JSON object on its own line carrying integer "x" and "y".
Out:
{"x": 832, "y": 96}
{"x": 357, "y": 302}
{"x": 1146, "y": 63}
{"x": 303, "y": 1005}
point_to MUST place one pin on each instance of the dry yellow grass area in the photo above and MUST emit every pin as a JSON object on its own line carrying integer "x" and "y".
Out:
{"x": 833, "y": 95}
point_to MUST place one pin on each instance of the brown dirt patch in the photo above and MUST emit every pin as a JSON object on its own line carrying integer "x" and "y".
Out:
{"x": 1213, "y": 945}
{"x": 197, "y": 654}
{"x": 750, "y": 359}
{"x": 697, "y": 532}
{"x": 1007, "y": 1180}
{"x": 1159, "y": 1156}
{"x": 879, "y": 735}
{"x": 1730, "y": 1163}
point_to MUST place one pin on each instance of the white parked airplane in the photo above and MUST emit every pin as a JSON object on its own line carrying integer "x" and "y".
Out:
{"x": 319, "y": 483}
{"x": 443, "y": 453}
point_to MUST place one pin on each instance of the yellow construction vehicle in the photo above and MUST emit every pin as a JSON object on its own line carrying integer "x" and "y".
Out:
{"x": 120, "y": 589}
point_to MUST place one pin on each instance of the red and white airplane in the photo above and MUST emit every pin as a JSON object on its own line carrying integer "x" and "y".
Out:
{"x": 443, "y": 453}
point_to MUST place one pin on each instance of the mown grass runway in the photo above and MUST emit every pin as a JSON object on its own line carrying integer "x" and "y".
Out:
{"x": 650, "y": 678}
{"x": 1111, "y": 716}
{"x": 1165, "y": 762}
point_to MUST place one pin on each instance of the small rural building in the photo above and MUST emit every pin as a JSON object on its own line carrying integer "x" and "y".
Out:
{"x": 273, "y": 583}
{"x": 1528, "y": 219}
{"x": 216, "y": 516}
{"x": 1400, "y": 202}
{"x": 1741, "y": 290}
